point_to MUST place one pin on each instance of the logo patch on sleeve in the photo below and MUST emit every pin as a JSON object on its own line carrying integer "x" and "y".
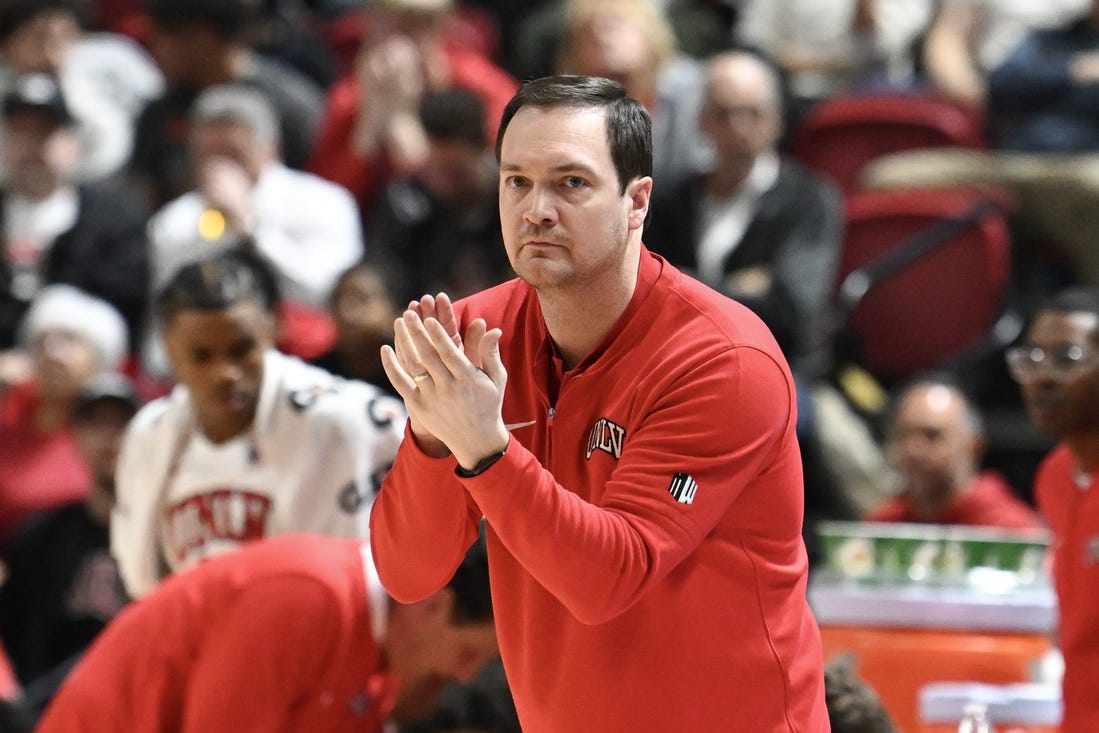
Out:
{"x": 683, "y": 488}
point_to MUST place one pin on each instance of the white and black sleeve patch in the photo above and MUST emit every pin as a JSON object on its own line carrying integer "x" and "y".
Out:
{"x": 683, "y": 488}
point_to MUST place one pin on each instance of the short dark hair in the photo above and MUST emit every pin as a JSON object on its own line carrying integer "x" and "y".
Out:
{"x": 16, "y": 13}
{"x": 454, "y": 115}
{"x": 1075, "y": 299}
{"x": 629, "y": 126}
{"x": 229, "y": 18}
{"x": 472, "y": 598}
{"x": 853, "y": 706}
{"x": 234, "y": 276}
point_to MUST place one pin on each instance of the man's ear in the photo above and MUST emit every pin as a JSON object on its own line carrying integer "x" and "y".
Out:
{"x": 639, "y": 191}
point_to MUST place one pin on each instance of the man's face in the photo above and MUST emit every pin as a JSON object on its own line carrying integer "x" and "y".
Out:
{"x": 99, "y": 432}
{"x": 218, "y": 355}
{"x": 364, "y": 309}
{"x": 1063, "y": 401}
{"x": 42, "y": 43}
{"x": 455, "y": 172}
{"x": 63, "y": 361}
{"x": 930, "y": 442}
{"x": 428, "y": 651}
{"x": 609, "y": 42}
{"x": 564, "y": 219}
{"x": 740, "y": 113}
{"x": 40, "y": 153}
{"x": 229, "y": 141}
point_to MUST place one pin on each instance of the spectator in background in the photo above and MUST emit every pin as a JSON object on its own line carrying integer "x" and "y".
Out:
{"x": 371, "y": 131}
{"x": 1057, "y": 368}
{"x": 366, "y": 300}
{"x": 935, "y": 440}
{"x": 1044, "y": 97}
{"x": 756, "y": 226}
{"x": 442, "y": 223}
{"x": 967, "y": 39}
{"x": 69, "y": 337}
{"x": 251, "y": 443}
{"x": 199, "y": 44}
{"x": 832, "y": 47}
{"x": 632, "y": 42}
{"x": 54, "y": 230}
{"x": 62, "y": 586}
{"x": 105, "y": 77}
{"x": 293, "y": 633}
{"x": 305, "y": 227}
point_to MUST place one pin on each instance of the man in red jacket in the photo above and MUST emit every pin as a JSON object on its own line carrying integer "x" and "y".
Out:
{"x": 935, "y": 442}
{"x": 640, "y": 473}
{"x": 1057, "y": 368}
{"x": 288, "y": 634}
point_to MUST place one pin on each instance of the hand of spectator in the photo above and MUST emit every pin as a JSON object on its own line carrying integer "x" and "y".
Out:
{"x": 15, "y": 367}
{"x": 227, "y": 187}
{"x": 749, "y": 281}
{"x": 1084, "y": 67}
{"x": 391, "y": 75}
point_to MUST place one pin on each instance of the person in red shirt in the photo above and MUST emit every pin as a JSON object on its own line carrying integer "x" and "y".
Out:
{"x": 289, "y": 634}
{"x": 1057, "y": 368}
{"x": 371, "y": 132}
{"x": 935, "y": 441}
{"x": 67, "y": 336}
{"x": 629, "y": 436}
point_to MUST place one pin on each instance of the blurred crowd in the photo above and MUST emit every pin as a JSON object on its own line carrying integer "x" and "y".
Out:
{"x": 212, "y": 204}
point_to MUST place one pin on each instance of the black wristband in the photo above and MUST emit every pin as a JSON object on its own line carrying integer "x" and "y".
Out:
{"x": 482, "y": 465}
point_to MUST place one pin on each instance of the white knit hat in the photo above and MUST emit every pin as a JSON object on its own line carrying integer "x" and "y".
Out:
{"x": 70, "y": 308}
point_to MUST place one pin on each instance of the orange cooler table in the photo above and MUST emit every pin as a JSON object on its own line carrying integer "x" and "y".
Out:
{"x": 905, "y": 637}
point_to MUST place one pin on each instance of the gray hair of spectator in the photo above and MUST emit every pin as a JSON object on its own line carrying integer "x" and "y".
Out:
{"x": 238, "y": 104}
{"x": 629, "y": 127}
{"x": 220, "y": 282}
{"x": 70, "y": 308}
{"x": 974, "y": 422}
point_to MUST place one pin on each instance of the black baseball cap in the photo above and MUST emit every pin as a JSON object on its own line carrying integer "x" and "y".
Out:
{"x": 38, "y": 92}
{"x": 107, "y": 386}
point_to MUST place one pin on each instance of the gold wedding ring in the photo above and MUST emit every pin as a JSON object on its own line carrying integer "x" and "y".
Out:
{"x": 422, "y": 377}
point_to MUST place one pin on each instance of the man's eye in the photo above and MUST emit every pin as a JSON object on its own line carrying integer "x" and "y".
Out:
{"x": 575, "y": 182}
{"x": 515, "y": 181}
{"x": 1069, "y": 356}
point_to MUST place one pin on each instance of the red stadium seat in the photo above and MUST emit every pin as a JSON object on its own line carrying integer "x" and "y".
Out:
{"x": 932, "y": 269}
{"x": 841, "y": 135}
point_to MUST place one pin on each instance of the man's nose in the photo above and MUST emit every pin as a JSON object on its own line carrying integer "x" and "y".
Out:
{"x": 541, "y": 209}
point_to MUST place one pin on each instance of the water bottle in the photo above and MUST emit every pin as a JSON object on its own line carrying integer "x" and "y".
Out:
{"x": 975, "y": 719}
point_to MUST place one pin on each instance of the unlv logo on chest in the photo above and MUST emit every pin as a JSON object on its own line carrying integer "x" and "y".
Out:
{"x": 226, "y": 514}
{"x": 606, "y": 436}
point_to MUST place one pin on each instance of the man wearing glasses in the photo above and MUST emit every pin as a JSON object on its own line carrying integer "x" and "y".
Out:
{"x": 1057, "y": 368}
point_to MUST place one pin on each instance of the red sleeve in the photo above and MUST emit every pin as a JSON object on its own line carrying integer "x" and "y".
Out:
{"x": 606, "y": 555}
{"x": 421, "y": 524}
{"x": 263, "y": 658}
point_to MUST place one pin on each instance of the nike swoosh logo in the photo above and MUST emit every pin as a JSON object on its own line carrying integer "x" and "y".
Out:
{"x": 515, "y": 425}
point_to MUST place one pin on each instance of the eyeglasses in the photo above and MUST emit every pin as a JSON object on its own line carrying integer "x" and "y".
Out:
{"x": 1026, "y": 362}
